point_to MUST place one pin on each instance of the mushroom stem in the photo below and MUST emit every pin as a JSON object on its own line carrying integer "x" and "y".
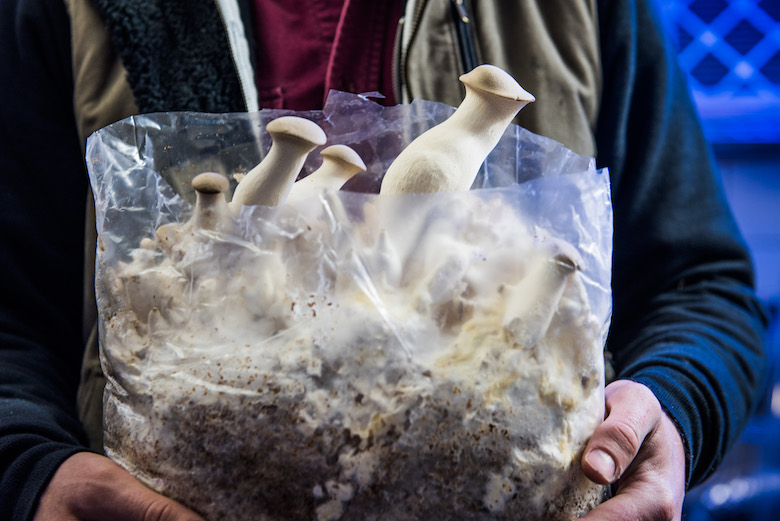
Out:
{"x": 339, "y": 164}
{"x": 210, "y": 205}
{"x": 448, "y": 156}
{"x": 269, "y": 182}
{"x": 531, "y": 304}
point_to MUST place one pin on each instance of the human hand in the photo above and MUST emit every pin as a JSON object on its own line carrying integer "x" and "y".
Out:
{"x": 89, "y": 487}
{"x": 637, "y": 447}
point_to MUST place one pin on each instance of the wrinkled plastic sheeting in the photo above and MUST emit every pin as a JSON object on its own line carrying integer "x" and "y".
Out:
{"x": 350, "y": 358}
{"x": 175, "y": 147}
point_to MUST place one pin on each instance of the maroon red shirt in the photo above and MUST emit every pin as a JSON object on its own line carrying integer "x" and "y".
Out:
{"x": 305, "y": 48}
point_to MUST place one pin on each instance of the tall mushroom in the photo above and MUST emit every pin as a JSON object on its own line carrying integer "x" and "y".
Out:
{"x": 339, "y": 164}
{"x": 447, "y": 157}
{"x": 269, "y": 182}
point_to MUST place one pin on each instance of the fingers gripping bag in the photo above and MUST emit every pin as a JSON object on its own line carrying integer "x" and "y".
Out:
{"x": 346, "y": 355}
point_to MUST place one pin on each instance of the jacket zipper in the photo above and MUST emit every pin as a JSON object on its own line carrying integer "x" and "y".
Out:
{"x": 407, "y": 30}
{"x": 463, "y": 30}
{"x": 396, "y": 68}
{"x": 239, "y": 51}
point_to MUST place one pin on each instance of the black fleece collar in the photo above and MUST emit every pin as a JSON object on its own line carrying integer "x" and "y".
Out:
{"x": 176, "y": 53}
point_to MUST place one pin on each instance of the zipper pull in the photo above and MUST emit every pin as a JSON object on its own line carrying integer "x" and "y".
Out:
{"x": 461, "y": 11}
{"x": 463, "y": 30}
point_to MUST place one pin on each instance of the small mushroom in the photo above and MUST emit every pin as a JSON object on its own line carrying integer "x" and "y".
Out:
{"x": 211, "y": 213}
{"x": 211, "y": 210}
{"x": 339, "y": 164}
{"x": 151, "y": 288}
{"x": 448, "y": 156}
{"x": 531, "y": 303}
{"x": 384, "y": 262}
{"x": 269, "y": 182}
{"x": 169, "y": 235}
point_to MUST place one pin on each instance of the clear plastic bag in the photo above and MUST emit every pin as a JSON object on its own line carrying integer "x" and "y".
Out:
{"x": 353, "y": 356}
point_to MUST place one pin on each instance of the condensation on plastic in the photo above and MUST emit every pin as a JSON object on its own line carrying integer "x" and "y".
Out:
{"x": 347, "y": 359}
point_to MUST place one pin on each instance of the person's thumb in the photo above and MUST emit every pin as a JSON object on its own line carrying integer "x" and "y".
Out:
{"x": 90, "y": 487}
{"x": 145, "y": 505}
{"x": 632, "y": 412}
{"x": 135, "y": 502}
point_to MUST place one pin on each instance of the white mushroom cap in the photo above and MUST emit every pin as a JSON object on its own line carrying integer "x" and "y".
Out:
{"x": 345, "y": 157}
{"x": 492, "y": 79}
{"x": 210, "y": 205}
{"x": 297, "y": 128}
{"x": 210, "y": 183}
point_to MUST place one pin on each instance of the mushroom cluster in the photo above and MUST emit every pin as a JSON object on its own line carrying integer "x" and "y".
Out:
{"x": 303, "y": 353}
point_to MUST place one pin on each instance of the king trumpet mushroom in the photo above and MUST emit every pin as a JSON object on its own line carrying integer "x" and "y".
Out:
{"x": 532, "y": 302}
{"x": 270, "y": 181}
{"x": 211, "y": 211}
{"x": 339, "y": 164}
{"x": 448, "y": 156}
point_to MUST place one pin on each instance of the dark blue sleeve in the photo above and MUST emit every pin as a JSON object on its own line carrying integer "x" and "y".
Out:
{"x": 43, "y": 192}
{"x": 686, "y": 320}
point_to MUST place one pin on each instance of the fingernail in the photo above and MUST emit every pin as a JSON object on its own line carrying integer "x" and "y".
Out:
{"x": 603, "y": 464}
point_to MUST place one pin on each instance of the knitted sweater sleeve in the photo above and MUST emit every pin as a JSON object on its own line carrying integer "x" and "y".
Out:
{"x": 42, "y": 199}
{"x": 686, "y": 321}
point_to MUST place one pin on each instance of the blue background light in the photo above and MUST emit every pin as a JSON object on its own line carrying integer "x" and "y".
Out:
{"x": 731, "y": 53}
